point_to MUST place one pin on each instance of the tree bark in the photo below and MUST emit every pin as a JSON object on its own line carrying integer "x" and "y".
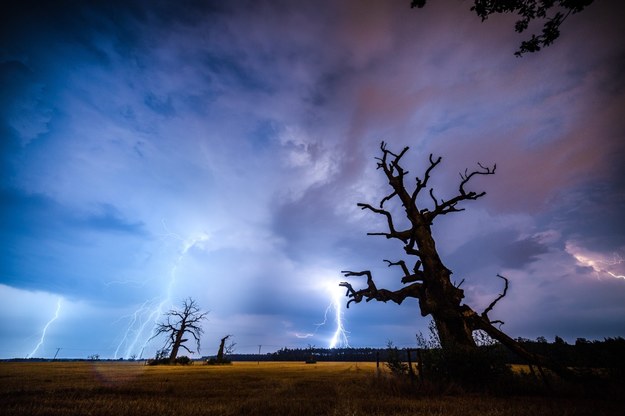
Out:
{"x": 177, "y": 342}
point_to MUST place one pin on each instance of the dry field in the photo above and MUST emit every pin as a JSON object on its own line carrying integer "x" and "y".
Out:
{"x": 130, "y": 388}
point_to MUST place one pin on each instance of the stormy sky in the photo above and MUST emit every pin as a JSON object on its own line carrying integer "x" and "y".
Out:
{"x": 155, "y": 151}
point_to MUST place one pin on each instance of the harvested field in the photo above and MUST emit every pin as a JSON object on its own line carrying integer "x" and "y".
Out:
{"x": 130, "y": 388}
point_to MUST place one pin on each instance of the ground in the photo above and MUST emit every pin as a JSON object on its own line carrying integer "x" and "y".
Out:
{"x": 131, "y": 388}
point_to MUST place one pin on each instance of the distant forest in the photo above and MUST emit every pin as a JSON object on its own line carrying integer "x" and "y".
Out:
{"x": 609, "y": 353}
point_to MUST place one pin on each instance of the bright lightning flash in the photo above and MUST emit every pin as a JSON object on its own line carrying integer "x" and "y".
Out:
{"x": 339, "y": 337}
{"x": 45, "y": 328}
{"x": 595, "y": 262}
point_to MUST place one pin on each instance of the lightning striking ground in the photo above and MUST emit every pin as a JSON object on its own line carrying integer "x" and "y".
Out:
{"x": 339, "y": 337}
{"x": 45, "y": 328}
{"x": 142, "y": 321}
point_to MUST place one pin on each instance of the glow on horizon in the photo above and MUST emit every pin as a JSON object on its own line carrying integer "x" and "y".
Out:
{"x": 45, "y": 328}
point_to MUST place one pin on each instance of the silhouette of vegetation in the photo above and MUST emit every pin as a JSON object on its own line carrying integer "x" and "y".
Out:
{"x": 223, "y": 351}
{"x": 429, "y": 281}
{"x": 394, "y": 361}
{"x": 163, "y": 357}
{"x": 177, "y": 325}
{"x": 552, "y": 12}
{"x": 473, "y": 369}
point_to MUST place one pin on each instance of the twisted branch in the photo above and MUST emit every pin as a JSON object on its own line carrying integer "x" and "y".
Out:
{"x": 393, "y": 233}
{"x": 445, "y": 207}
{"x": 372, "y": 292}
{"x": 421, "y": 184}
{"x": 494, "y": 302}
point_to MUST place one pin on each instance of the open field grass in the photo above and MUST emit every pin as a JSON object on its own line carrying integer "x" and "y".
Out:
{"x": 130, "y": 388}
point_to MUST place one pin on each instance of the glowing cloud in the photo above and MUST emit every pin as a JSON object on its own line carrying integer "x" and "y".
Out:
{"x": 599, "y": 263}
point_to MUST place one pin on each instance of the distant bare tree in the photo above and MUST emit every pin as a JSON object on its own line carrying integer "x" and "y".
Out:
{"x": 223, "y": 349}
{"x": 179, "y": 323}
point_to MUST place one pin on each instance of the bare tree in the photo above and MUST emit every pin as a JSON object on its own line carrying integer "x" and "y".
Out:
{"x": 223, "y": 349}
{"x": 429, "y": 281}
{"x": 552, "y": 12}
{"x": 178, "y": 323}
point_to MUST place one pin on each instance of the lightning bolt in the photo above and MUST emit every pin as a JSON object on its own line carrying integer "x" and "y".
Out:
{"x": 139, "y": 319}
{"x": 143, "y": 320}
{"x": 45, "y": 328}
{"x": 339, "y": 337}
{"x": 598, "y": 265}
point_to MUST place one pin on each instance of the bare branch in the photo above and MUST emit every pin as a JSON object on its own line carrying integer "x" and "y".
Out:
{"x": 408, "y": 277}
{"x": 409, "y": 249}
{"x": 466, "y": 178}
{"x": 387, "y": 198}
{"x": 401, "y": 235}
{"x": 400, "y": 263}
{"x": 421, "y": 184}
{"x": 494, "y": 302}
{"x": 185, "y": 347}
{"x": 372, "y": 292}
{"x": 445, "y": 207}
{"x": 393, "y": 166}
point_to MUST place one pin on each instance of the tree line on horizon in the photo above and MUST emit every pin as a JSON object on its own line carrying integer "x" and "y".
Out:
{"x": 606, "y": 353}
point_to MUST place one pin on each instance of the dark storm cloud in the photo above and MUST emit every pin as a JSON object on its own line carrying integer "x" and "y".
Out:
{"x": 520, "y": 253}
{"x": 503, "y": 249}
{"x": 36, "y": 214}
{"x": 109, "y": 218}
{"x": 593, "y": 213}
{"x": 154, "y": 150}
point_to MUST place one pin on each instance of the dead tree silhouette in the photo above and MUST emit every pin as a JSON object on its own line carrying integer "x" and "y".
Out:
{"x": 429, "y": 281}
{"x": 179, "y": 323}
{"x": 220, "y": 353}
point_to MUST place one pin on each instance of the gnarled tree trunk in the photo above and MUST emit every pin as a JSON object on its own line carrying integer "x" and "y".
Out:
{"x": 220, "y": 353}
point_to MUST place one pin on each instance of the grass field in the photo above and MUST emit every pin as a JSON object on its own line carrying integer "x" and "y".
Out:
{"x": 130, "y": 388}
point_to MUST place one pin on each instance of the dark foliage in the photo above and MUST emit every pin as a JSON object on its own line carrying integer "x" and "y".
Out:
{"x": 162, "y": 358}
{"x": 183, "y": 360}
{"x": 552, "y": 13}
{"x": 395, "y": 360}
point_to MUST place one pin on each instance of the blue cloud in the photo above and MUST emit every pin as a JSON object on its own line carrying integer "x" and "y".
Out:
{"x": 108, "y": 218}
